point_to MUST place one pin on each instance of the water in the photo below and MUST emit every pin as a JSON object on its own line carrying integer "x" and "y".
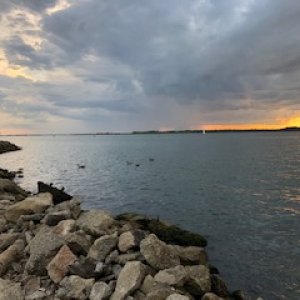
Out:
{"x": 241, "y": 191}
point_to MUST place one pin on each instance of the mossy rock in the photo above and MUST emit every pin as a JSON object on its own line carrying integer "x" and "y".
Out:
{"x": 172, "y": 234}
{"x": 168, "y": 233}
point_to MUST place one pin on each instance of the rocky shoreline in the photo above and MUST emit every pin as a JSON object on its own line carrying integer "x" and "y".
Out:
{"x": 51, "y": 249}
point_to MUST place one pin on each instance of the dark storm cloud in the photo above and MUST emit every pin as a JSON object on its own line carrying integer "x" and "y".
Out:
{"x": 234, "y": 49}
{"x": 132, "y": 55}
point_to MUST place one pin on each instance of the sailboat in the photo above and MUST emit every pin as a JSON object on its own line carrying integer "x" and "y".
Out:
{"x": 203, "y": 131}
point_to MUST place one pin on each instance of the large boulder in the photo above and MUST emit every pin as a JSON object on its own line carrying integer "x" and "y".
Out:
{"x": 58, "y": 267}
{"x": 43, "y": 247}
{"x": 10, "y": 290}
{"x": 129, "y": 280}
{"x": 95, "y": 222}
{"x": 130, "y": 240}
{"x": 31, "y": 205}
{"x": 75, "y": 287}
{"x": 103, "y": 246}
{"x": 158, "y": 254}
{"x": 174, "y": 276}
{"x": 211, "y": 296}
{"x": 198, "y": 280}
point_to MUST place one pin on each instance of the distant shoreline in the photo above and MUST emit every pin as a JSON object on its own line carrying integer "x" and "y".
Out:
{"x": 287, "y": 129}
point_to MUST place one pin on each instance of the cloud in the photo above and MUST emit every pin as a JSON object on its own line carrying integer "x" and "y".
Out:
{"x": 157, "y": 63}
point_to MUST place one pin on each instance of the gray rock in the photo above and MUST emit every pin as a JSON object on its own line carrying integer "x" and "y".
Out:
{"x": 31, "y": 205}
{"x": 138, "y": 295}
{"x": 100, "y": 291}
{"x": 103, "y": 246}
{"x": 124, "y": 258}
{"x": 174, "y": 276}
{"x": 95, "y": 222}
{"x": 160, "y": 293}
{"x": 148, "y": 284}
{"x": 191, "y": 255}
{"x": 112, "y": 257}
{"x": 7, "y": 239}
{"x": 75, "y": 287}
{"x": 53, "y": 218}
{"x": 158, "y": 254}
{"x": 84, "y": 268}
{"x": 218, "y": 286}
{"x": 73, "y": 206}
{"x": 130, "y": 239}
{"x": 64, "y": 227}
{"x": 11, "y": 190}
{"x": 79, "y": 242}
{"x": 10, "y": 290}
{"x": 116, "y": 270}
{"x": 37, "y": 295}
{"x": 211, "y": 296}
{"x": 129, "y": 280}
{"x": 198, "y": 280}
{"x": 177, "y": 297}
{"x": 43, "y": 247}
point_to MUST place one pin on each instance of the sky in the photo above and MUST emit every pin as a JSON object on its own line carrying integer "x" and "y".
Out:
{"x": 71, "y": 66}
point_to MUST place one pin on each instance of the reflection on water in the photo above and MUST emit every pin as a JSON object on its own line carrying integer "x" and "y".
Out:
{"x": 240, "y": 190}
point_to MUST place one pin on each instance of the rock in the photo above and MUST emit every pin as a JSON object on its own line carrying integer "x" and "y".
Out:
{"x": 79, "y": 242}
{"x": 130, "y": 239}
{"x": 174, "y": 276}
{"x": 148, "y": 284}
{"x": 73, "y": 206}
{"x": 58, "y": 267}
{"x": 103, "y": 246}
{"x": 31, "y": 205}
{"x": 84, "y": 268}
{"x": 5, "y": 174}
{"x": 191, "y": 255}
{"x": 11, "y": 191}
{"x": 100, "y": 291}
{"x": 7, "y": 239}
{"x": 138, "y": 295}
{"x": 95, "y": 222}
{"x": 10, "y": 255}
{"x": 75, "y": 287}
{"x": 10, "y": 290}
{"x": 218, "y": 286}
{"x": 174, "y": 235}
{"x": 43, "y": 247}
{"x": 158, "y": 254}
{"x": 198, "y": 280}
{"x": 64, "y": 227}
{"x": 129, "y": 279}
{"x": 7, "y": 147}
{"x": 116, "y": 270}
{"x": 52, "y": 219}
{"x": 238, "y": 295}
{"x": 31, "y": 284}
{"x": 58, "y": 195}
{"x": 37, "y": 295}
{"x": 124, "y": 258}
{"x": 177, "y": 297}
{"x": 210, "y": 296}
{"x": 112, "y": 257}
{"x": 160, "y": 293}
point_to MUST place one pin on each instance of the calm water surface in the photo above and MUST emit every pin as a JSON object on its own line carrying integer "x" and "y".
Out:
{"x": 242, "y": 191}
